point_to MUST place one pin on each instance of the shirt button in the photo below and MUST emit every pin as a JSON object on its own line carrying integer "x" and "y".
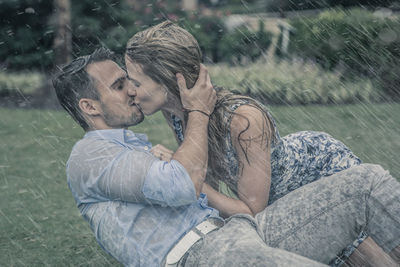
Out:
{"x": 146, "y": 148}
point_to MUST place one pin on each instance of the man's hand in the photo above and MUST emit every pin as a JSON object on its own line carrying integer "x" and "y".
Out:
{"x": 162, "y": 152}
{"x": 202, "y": 97}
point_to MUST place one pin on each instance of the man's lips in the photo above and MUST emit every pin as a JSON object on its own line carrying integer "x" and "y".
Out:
{"x": 132, "y": 103}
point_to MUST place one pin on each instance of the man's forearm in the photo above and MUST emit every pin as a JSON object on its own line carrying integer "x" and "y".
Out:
{"x": 193, "y": 152}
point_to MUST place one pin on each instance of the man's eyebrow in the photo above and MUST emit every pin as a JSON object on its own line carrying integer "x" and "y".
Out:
{"x": 118, "y": 80}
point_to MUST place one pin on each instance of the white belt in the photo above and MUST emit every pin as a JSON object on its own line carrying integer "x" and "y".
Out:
{"x": 188, "y": 240}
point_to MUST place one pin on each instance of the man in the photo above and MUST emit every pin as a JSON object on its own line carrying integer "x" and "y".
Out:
{"x": 149, "y": 212}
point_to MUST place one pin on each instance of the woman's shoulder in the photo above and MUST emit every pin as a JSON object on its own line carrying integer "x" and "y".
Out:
{"x": 250, "y": 116}
{"x": 243, "y": 106}
{"x": 246, "y": 116}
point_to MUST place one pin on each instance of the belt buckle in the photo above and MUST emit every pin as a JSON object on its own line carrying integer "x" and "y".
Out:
{"x": 206, "y": 227}
{"x": 189, "y": 239}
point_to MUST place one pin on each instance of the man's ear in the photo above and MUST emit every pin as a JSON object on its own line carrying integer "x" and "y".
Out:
{"x": 89, "y": 106}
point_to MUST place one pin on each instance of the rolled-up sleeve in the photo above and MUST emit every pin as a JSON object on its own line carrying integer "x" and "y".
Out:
{"x": 100, "y": 171}
{"x": 169, "y": 184}
{"x": 103, "y": 171}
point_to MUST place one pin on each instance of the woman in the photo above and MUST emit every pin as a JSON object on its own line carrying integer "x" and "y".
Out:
{"x": 248, "y": 160}
{"x": 245, "y": 149}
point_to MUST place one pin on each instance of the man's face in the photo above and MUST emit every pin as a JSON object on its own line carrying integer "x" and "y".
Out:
{"x": 117, "y": 107}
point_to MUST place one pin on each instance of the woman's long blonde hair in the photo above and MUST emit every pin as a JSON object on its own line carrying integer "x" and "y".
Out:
{"x": 166, "y": 49}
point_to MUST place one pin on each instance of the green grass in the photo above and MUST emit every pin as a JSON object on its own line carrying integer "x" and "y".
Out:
{"x": 40, "y": 225}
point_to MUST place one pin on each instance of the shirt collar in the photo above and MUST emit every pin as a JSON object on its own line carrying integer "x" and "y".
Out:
{"x": 117, "y": 134}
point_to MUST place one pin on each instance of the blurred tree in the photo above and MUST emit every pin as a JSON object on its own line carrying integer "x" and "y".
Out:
{"x": 62, "y": 44}
{"x": 31, "y": 36}
{"x": 25, "y": 35}
{"x": 135, "y": 4}
{"x": 241, "y": 44}
{"x": 189, "y": 5}
{"x": 289, "y": 5}
{"x": 108, "y": 23}
{"x": 354, "y": 42}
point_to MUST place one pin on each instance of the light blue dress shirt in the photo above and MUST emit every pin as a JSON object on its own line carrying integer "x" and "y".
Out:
{"x": 137, "y": 205}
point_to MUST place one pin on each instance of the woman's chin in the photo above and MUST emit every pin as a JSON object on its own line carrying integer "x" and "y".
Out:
{"x": 148, "y": 113}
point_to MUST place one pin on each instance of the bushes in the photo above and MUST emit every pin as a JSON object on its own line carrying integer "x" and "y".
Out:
{"x": 208, "y": 31}
{"x": 355, "y": 41}
{"x": 25, "y": 37}
{"x": 294, "y": 83}
{"x": 26, "y": 30}
{"x": 20, "y": 83}
{"x": 290, "y": 5}
{"x": 242, "y": 42}
{"x": 108, "y": 23}
{"x": 220, "y": 45}
{"x": 287, "y": 82}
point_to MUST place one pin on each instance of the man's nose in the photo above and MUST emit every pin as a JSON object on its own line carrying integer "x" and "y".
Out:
{"x": 131, "y": 90}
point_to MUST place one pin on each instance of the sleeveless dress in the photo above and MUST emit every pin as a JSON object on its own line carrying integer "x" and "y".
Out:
{"x": 296, "y": 160}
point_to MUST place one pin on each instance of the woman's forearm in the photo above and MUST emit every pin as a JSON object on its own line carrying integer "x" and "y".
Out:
{"x": 227, "y": 206}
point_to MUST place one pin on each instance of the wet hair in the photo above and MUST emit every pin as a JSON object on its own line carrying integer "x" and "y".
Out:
{"x": 166, "y": 49}
{"x": 73, "y": 83}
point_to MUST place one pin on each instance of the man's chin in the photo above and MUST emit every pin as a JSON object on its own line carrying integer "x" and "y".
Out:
{"x": 139, "y": 119}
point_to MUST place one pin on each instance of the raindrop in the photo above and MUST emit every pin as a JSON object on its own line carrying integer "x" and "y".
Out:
{"x": 48, "y": 32}
{"x": 336, "y": 42}
{"x": 29, "y": 10}
{"x": 388, "y": 36}
{"x": 383, "y": 13}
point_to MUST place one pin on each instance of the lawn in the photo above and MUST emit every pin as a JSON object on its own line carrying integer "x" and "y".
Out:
{"x": 40, "y": 225}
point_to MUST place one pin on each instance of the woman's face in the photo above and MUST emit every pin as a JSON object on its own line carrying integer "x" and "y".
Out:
{"x": 150, "y": 96}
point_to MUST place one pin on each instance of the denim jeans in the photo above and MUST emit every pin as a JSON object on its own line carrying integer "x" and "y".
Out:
{"x": 318, "y": 220}
{"x": 237, "y": 243}
{"x": 315, "y": 221}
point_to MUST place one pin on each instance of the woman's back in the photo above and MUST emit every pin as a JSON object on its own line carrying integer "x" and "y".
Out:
{"x": 296, "y": 159}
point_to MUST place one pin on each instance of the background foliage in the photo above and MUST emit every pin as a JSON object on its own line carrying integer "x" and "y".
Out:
{"x": 293, "y": 83}
{"x": 356, "y": 42}
{"x": 27, "y": 31}
{"x": 25, "y": 36}
{"x": 289, "y": 5}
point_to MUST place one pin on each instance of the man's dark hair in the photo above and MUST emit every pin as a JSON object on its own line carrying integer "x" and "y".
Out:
{"x": 73, "y": 83}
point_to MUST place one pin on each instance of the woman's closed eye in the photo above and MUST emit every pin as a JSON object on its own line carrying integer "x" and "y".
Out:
{"x": 135, "y": 82}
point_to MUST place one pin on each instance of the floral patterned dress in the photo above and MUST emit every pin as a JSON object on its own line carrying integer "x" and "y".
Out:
{"x": 296, "y": 160}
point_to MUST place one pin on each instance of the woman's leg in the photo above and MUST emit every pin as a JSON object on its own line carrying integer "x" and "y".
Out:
{"x": 318, "y": 220}
{"x": 370, "y": 254}
{"x": 395, "y": 254}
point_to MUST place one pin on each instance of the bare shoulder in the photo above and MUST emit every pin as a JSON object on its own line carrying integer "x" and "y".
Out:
{"x": 248, "y": 119}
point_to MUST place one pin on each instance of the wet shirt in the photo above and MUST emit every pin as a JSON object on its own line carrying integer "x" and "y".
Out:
{"x": 137, "y": 206}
